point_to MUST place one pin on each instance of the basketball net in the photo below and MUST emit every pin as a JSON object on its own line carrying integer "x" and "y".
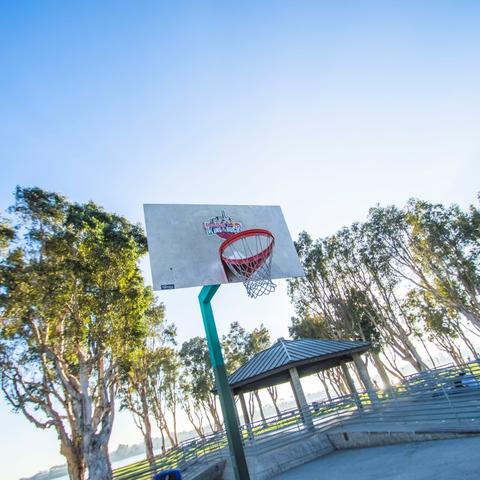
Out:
{"x": 248, "y": 256}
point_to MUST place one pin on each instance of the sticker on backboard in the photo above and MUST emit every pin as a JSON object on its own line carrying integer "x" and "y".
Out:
{"x": 222, "y": 226}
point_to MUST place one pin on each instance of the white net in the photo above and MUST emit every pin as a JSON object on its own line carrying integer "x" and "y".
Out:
{"x": 248, "y": 256}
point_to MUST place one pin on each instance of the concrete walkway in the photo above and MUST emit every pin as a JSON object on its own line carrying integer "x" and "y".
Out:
{"x": 457, "y": 459}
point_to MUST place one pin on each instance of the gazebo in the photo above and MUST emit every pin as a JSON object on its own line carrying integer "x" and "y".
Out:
{"x": 289, "y": 360}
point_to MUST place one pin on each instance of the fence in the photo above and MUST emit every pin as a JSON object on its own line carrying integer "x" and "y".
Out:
{"x": 443, "y": 399}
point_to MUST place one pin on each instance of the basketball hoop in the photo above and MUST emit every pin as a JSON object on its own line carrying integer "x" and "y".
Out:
{"x": 248, "y": 256}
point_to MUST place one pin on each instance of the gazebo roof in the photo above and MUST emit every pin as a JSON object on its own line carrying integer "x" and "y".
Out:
{"x": 309, "y": 355}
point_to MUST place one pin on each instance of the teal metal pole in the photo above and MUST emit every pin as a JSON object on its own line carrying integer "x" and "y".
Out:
{"x": 235, "y": 444}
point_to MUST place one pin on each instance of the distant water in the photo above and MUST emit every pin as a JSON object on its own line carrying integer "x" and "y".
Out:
{"x": 119, "y": 463}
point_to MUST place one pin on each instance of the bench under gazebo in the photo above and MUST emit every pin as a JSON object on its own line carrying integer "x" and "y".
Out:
{"x": 290, "y": 360}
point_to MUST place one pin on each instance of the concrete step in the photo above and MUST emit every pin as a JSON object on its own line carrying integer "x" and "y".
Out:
{"x": 266, "y": 464}
{"x": 211, "y": 471}
{"x": 365, "y": 439}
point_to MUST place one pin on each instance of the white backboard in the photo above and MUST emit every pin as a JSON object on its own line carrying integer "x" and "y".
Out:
{"x": 184, "y": 241}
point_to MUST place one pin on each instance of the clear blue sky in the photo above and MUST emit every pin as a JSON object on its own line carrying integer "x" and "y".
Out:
{"x": 325, "y": 108}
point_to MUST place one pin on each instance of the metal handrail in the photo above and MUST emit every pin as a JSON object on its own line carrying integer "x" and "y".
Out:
{"x": 446, "y": 397}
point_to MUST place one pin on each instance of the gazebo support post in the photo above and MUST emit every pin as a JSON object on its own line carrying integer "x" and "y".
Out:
{"x": 246, "y": 417}
{"x": 300, "y": 398}
{"x": 236, "y": 414}
{"x": 364, "y": 375}
{"x": 239, "y": 463}
{"x": 351, "y": 385}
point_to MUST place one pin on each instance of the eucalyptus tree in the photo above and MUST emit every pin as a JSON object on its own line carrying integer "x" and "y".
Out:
{"x": 165, "y": 393}
{"x": 198, "y": 373}
{"x": 386, "y": 281}
{"x": 240, "y": 346}
{"x": 316, "y": 326}
{"x": 442, "y": 324}
{"x": 358, "y": 282}
{"x": 134, "y": 394}
{"x": 273, "y": 392}
{"x": 317, "y": 303}
{"x": 445, "y": 254}
{"x": 349, "y": 286}
{"x": 434, "y": 249}
{"x": 72, "y": 303}
{"x": 147, "y": 377}
{"x": 371, "y": 295}
{"x": 191, "y": 405}
{"x": 336, "y": 294}
{"x": 329, "y": 299}
{"x": 258, "y": 340}
{"x": 236, "y": 347}
{"x": 309, "y": 326}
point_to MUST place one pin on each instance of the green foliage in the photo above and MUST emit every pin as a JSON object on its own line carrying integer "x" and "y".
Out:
{"x": 197, "y": 367}
{"x": 360, "y": 313}
{"x": 330, "y": 301}
{"x": 197, "y": 383}
{"x": 309, "y": 326}
{"x": 141, "y": 369}
{"x": 73, "y": 275}
{"x": 72, "y": 309}
{"x": 150, "y": 377}
{"x": 365, "y": 318}
{"x": 239, "y": 345}
{"x": 389, "y": 278}
{"x": 430, "y": 315}
{"x": 446, "y": 244}
{"x": 7, "y": 233}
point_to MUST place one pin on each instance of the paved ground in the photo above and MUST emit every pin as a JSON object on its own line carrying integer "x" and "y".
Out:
{"x": 457, "y": 459}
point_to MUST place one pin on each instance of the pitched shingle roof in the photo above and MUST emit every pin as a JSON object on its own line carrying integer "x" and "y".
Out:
{"x": 284, "y": 354}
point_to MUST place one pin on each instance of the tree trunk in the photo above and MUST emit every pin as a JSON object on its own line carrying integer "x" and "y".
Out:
{"x": 174, "y": 424}
{"x": 210, "y": 424}
{"x": 212, "y": 406}
{"x": 197, "y": 426}
{"x": 335, "y": 388}
{"x": 147, "y": 430}
{"x": 428, "y": 352}
{"x": 321, "y": 377}
{"x": 162, "y": 434}
{"x": 257, "y": 396}
{"x": 473, "y": 319}
{"x": 171, "y": 438}
{"x": 274, "y": 396}
{"x": 392, "y": 367}
{"x": 338, "y": 376}
{"x": 419, "y": 363}
{"x": 394, "y": 328}
{"x": 75, "y": 471}
{"x": 75, "y": 462}
{"x": 336, "y": 381}
{"x": 198, "y": 431}
{"x": 160, "y": 419}
{"x": 147, "y": 438}
{"x": 467, "y": 342}
{"x": 359, "y": 379}
{"x": 98, "y": 462}
{"x": 454, "y": 352}
{"x": 381, "y": 370}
